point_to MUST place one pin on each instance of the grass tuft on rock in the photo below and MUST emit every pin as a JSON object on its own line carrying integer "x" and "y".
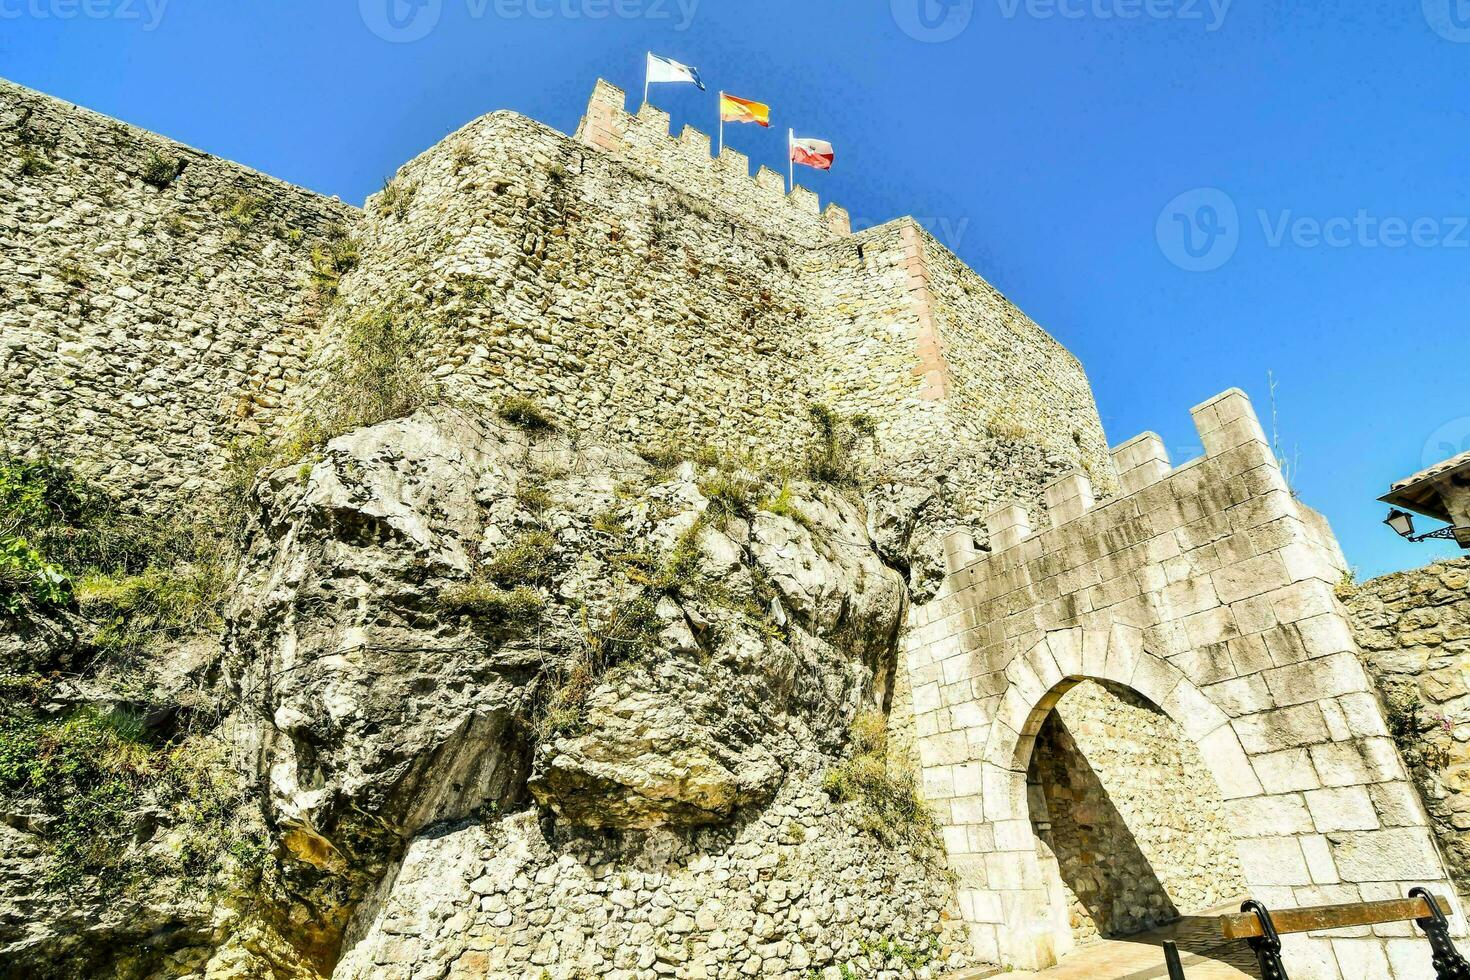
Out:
{"x": 160, "y": 170}
{"x": 885, "y": 790}
{"x": 523, "y": 413}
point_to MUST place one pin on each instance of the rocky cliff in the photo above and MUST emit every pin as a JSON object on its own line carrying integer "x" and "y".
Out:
{"x": 487, "y": 700}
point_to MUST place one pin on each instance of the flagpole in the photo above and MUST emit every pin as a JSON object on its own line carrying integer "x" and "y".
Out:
{"x": 646, "y": 63}
{"x": 721, "y": 151}
{"x": 791, "y": 159}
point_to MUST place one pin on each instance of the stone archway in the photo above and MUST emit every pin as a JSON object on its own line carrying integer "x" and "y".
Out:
{"x": 1130, "y": 827}
{"x": 1034, "y": 895}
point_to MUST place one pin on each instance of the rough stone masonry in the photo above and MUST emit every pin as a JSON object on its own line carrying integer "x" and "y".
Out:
{"x": 1150, "y": 705}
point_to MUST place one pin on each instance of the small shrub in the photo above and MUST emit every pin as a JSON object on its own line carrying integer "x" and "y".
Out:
{"x": 489, "y": 602}
{"x": 783, "y": 504}
{"x": 835, "y": 457}
{"x": 160, "y": 170}
{"x": 176, "y": 225}
{"x": 525, "y": 414}
{"x": 92, "y": 772}
{"x": 533, "y": 495}
{"x": 609, "y": 522}
{"x": 888, "y": 795}
{"x": 464, "y": 156}
{"x": 131, "y": 611}
{"x": 1003, "y": 424}
{"x": 663, "y": 458}
{"x": 33, "y": 163}
{"x": 243, "y": 211}
{"x": 396, "y": 198}
{"x": 28, "y": 580}
{"x": 378, "y": 375}
{"x": 730, "y": 496}
{"x": 332, "y": 260}
{"x": 527, "y": 559}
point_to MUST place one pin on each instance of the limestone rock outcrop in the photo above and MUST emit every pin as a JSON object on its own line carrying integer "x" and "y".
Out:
{"x": 445, "y": 618}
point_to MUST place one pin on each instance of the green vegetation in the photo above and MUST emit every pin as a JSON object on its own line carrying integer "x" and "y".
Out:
{"x": 243, "y": 210}
{"x": 730, "y": 496}
{"x": 332, "y": 260}
{"x": 524, "y": 560}
{"x": 100, "y": 777}
{"x": 378, "y": 374}
{"x": 161, "y": 170}
{"x": 503, "y": 592}
{"x": 396, "y": 198}
{"x": 93, "y": 773}
{"x": 130, "y": 611}
{"x": 892, "y": 949}
{"x": 33, "y": 163}
{"x": 783, "y": 504}
{"x": 493, "y": 605}
{"x": 28, "y": 580}
{"x": 526, "y": 414}
{"x": 836, "y": 457}
{"x": 890, "y": 805}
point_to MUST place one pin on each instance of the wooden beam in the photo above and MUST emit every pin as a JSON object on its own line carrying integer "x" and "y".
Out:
{"x": 1245, "y": 925}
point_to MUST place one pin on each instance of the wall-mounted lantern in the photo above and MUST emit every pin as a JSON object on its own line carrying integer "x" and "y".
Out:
{"x": 1441, "y": 492}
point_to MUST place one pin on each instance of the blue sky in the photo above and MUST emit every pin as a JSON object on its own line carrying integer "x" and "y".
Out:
{"x": 1317, "y": 156}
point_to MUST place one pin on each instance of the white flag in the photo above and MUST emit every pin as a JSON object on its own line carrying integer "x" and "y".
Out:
{"x": 668, "y": 70}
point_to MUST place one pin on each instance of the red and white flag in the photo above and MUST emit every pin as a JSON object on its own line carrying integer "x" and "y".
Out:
{"x": 811, "y": 153}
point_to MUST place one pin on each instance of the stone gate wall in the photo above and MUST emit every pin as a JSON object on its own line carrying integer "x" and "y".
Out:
{"x": 1414, "y": 631}
{"x": 144, "y": 328}
{"x": 1207, "y": 590}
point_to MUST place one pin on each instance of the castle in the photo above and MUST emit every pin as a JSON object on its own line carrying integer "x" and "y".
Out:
{"x": 156, "y": 306}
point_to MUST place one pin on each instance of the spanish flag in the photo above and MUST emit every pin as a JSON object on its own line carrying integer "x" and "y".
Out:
{"x": 744, "y": 111}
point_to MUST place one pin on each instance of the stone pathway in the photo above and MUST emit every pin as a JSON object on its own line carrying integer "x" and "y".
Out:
{"x": 1204, "y": 954}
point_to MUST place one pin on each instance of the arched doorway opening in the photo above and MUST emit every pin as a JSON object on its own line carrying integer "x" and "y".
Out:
{"x": 1129, "y": 823}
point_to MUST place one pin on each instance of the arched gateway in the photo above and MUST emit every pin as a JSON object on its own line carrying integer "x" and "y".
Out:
{"x": 1206, "y": 590}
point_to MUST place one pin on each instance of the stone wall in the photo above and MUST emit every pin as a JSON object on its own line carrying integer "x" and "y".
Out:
{"x": 634, "y": 286}
{"x": 1414, "y": 630}
{"x": 1206, "y": 590}
{"x": 142, "y": 328}
{"x": 637, "y": 295}
{"x": 795, "y": 891}
{"x": 1133, "y": 821}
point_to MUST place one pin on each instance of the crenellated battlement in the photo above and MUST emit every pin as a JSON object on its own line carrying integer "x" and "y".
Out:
{"x": 644, "y": 141}
{"x": 1227, "y": 426}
